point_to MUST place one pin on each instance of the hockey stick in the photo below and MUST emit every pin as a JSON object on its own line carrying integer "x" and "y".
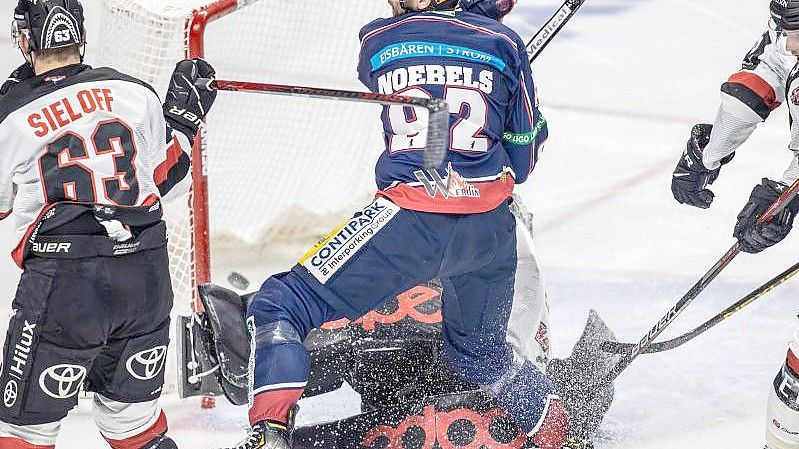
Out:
{"x": 552, "y": 27}
{"x": 647, "y": 340}
{"x": 621, "y": 348}
{"x": 438, "y": 122}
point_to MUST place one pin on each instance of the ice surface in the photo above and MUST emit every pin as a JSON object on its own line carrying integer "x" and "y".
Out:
{"x": 621, "y": 89}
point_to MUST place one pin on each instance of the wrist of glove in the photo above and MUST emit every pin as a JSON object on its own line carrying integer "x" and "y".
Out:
{"x": 19, "y": 75}
{"x": 754, "y": 237}
{"x": 186, "y": 103}
{"x": 690, "y": 178}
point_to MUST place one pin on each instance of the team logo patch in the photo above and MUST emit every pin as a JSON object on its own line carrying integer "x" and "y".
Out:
{"x": 795, "y": 97}
{"x": 62, "y": 381}
{"x": 10, "y": 393}
{"x": 330, "y": 254}
{"x": 146, "y": 365}
{"x": 453, "y": 186}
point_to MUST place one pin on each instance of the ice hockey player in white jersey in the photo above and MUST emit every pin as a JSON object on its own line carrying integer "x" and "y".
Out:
{"x": 86, "y": 157}
{"x": 768, "y": 78}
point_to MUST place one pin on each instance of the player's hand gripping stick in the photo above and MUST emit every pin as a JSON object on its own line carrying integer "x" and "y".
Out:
{"x": 438, "y": 122}
{"x": 646, "y": 341}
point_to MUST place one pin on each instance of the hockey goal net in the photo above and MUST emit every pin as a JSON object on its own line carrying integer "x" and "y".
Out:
{"x": 280, "y": 171}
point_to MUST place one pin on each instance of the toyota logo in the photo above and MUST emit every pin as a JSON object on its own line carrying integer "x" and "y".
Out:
{"x": 66, "y": 379}
{"x": 10, "y": 393}
{"x": 146, "y": 365}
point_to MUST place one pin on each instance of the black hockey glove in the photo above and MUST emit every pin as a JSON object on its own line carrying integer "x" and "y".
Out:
{"x": 19, "y": 75}
{"x": 690, "y": 178}
{"x": 187, "y": 104}
{"x": 754, "y": 237}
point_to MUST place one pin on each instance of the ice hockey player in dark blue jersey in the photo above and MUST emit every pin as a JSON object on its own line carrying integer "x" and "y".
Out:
{"x": 454, "y": 224}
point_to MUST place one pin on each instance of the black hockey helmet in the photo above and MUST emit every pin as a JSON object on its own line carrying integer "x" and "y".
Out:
{"x": 785, "y": 14}
{"x": 49, "y": 24}
{"x": 495, "y": 9}
{"x": 436, "y": 5}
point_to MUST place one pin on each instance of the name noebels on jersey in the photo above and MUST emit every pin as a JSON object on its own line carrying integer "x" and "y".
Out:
{"x": 449, "y": 75}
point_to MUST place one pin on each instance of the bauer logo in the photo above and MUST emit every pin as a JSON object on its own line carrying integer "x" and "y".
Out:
{"x": 51, "y": 248}
{"x": 146, "y": 365}
{"x": 324, "y": 259}
{"x": 62, "y": 381}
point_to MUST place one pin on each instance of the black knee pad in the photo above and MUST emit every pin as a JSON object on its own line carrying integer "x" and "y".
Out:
{"x": 131, "y": 370}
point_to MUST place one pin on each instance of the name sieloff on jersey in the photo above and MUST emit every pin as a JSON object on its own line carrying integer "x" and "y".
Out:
{"x": 89, "y": 136}
{"x": 480, "y": 67}
{"x": 768, "y": 78}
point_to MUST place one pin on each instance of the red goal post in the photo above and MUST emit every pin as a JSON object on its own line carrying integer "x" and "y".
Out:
{"x": 268, "y": 172}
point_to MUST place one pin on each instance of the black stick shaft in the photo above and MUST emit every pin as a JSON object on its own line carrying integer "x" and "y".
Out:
{"x": 646, "y": 341}
{"x": 552, "y": 27}
{"x": 622, "y": 348}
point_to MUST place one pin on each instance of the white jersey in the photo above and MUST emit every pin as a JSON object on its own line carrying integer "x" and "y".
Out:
{"x": 767, "y": 79}
{"x": 92, "y": 136}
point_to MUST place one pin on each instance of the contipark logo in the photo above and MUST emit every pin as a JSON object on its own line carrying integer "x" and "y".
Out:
{"x": 336, "y": 249}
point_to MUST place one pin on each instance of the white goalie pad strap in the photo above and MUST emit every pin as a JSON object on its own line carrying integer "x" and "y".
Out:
{"x": 528, "y": 324}
{"x": 120, "y": 421}
{"x": 37, "y": 435}
{"x": 735, "y": 122}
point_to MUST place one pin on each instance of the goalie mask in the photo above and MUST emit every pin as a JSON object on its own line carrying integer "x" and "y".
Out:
{"x": 49, "y": 24}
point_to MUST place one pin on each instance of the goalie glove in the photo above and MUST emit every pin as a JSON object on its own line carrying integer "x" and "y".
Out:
{"x": 186, "y": 103}
{"x": 690, "y": 179}
{"x": 19, "y": 75}
{"x": 754, "y": 237}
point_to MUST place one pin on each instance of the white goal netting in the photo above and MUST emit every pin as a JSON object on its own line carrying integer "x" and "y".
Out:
{"x": 279, "y": 168}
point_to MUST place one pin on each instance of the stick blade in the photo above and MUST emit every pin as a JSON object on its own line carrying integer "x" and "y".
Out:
{"x": 437, "y": 135}
{"x": 579, "y": 377}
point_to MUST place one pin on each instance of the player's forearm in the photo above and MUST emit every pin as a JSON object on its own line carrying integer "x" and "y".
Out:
{"x": 735, "y": 123}
{"x": 172, "y": 175}
{"x": 792, "y": 173}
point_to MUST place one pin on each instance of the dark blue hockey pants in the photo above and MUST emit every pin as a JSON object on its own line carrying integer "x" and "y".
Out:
{"x": 383, "y": 251}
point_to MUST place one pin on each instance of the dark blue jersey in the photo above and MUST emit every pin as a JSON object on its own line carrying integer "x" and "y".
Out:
{"x": 480, "y": 67}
